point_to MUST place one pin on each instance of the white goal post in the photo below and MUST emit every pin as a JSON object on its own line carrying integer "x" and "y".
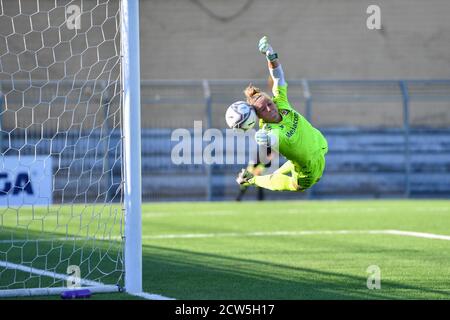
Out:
{"x": 70, "y": 147}
{"x": 132, "y": 145}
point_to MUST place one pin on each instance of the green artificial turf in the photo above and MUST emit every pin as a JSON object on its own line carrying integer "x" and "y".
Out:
{"x": 256, "y": 250}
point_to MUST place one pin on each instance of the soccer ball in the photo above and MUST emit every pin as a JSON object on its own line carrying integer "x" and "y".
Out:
{"x": 240, "y": 115}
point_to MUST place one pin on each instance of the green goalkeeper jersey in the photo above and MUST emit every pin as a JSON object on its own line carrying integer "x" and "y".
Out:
{"x": 298, "y": 140}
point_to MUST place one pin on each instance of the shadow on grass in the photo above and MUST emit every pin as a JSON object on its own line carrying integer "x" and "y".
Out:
{"x": 184, "y": 274}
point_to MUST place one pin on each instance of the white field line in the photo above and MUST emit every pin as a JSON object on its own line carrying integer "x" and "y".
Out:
{"x": 299, "y": 233}
{"x": 9, "y": 265}
{"x": 300, "y": 210}
{"x": 151, "y": 296}
{"x": 380, "y": 209}
{"x": 253, "y": 234}
{"x": 419, "y": 234}
{"x": 158, "y": 214}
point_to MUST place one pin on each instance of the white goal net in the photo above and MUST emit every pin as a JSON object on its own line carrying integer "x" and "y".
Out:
{"x": 61, "y": 141}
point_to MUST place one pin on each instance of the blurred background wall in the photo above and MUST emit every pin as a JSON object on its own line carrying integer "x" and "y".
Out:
{"x": 196, "y": 39}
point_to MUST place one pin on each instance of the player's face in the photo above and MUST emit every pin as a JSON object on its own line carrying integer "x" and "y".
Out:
{"x": 266, "y": 109}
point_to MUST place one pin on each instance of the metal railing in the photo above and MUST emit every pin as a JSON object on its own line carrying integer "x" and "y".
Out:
{"x": 409, "y": 112}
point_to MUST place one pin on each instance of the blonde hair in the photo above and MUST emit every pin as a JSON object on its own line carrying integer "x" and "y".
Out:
{"x": 252, "y": 93}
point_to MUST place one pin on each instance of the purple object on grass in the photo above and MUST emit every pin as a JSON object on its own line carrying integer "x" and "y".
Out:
{"x": 76, "y": 294}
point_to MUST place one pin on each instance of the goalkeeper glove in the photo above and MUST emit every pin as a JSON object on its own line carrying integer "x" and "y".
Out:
{"x": 266, "y": 49}
{"x": 264, "y": 138}
{"x": 244, "y": 177}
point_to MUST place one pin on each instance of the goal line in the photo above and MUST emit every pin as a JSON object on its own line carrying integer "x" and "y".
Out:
{"x": 93, "y": 286}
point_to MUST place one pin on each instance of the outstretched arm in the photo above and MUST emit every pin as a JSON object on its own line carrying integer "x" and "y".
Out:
{"x": 275, "y": 69}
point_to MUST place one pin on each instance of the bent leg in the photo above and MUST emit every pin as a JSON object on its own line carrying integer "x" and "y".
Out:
{"x": 287, "y": 167}
{"x": 276, "y": 182}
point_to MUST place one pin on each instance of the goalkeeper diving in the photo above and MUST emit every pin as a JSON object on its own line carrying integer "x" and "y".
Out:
{"x": 285, "y": 130}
